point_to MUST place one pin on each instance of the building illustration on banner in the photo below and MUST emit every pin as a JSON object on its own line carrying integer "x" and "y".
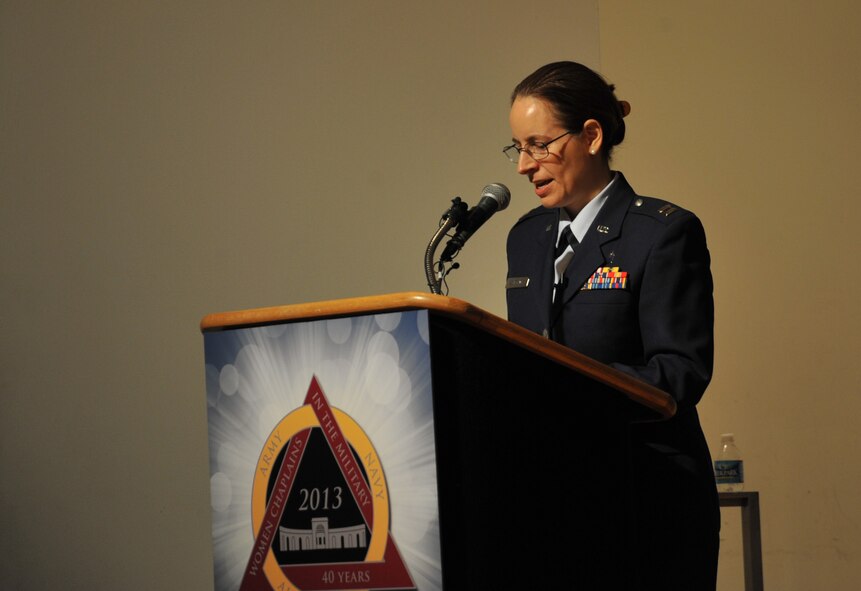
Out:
{"x": 321, "y": 537}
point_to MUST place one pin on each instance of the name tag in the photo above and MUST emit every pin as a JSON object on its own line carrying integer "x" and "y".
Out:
{"x": 516, "y": 282}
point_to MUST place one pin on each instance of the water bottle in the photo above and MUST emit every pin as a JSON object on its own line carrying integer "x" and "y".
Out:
{"x": 729, "y": 467}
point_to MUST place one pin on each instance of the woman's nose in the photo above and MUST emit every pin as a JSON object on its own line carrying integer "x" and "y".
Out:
{"x": 525, "y": 162}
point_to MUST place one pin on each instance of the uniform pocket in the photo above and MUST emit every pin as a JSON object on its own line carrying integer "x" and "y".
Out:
{"x": 603, "y": 296}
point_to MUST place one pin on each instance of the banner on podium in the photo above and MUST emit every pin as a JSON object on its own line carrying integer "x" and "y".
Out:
{"x": 322, "y": 455}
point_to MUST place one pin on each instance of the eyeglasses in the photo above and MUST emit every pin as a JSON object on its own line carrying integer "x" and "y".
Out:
{"x": 538, "y": 150}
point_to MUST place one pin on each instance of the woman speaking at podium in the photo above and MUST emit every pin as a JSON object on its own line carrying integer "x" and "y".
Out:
{"x": 624, "y": 279}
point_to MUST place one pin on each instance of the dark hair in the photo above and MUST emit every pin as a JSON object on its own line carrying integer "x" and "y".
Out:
{"x": 577, "y": 93}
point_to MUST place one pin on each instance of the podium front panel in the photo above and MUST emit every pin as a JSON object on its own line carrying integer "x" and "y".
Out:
{"x": 323, "y": 454}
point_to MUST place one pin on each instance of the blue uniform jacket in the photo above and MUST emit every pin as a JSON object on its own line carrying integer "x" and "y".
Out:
{"x": 656, "y": 325}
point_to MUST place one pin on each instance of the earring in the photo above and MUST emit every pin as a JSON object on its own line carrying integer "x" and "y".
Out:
{"x": 592, "y": 152}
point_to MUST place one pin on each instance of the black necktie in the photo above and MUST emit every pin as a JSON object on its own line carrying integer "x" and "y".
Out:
{"x": 565, "y": 240}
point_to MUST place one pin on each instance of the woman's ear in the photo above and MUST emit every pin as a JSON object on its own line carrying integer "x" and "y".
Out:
{"x": 593, "y": 136}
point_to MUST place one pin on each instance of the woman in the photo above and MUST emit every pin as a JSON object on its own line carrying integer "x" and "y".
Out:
{"x": 632, "y": 289}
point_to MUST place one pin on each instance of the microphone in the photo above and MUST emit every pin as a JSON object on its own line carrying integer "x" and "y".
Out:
{"x": 494, "y": 197}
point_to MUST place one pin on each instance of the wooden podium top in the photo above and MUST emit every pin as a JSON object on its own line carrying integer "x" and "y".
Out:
{"x": 639, "y": 392}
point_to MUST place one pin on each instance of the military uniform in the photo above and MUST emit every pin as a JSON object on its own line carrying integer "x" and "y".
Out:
{"x": 637, "y": 295}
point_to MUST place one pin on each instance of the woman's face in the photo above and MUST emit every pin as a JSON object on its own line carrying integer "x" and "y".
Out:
{"x": 570, "y": 176}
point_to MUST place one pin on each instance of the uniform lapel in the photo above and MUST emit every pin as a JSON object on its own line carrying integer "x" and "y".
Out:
{"x": 546, "y": 245}
{"x": 605, "y": 228}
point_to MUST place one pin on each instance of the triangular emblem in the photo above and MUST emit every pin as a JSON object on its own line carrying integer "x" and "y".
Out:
{"x": 320, "y": 507}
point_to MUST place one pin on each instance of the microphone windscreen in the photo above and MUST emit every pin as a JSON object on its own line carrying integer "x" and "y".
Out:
{"x": 499, "y": 193}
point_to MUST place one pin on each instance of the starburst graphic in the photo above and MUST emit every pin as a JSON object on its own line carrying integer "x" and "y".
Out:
{"x": 380, "y": 368}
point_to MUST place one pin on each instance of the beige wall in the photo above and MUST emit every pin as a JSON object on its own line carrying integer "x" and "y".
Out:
{"x": 160, "y": 161}
{"x": 747, "y": 113}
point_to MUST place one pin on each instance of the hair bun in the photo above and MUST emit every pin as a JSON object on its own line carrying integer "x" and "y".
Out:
{"x": 625, "y": 107}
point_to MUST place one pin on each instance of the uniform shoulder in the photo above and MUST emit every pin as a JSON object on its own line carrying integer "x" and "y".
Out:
{"x": 539, "y": 214}
{"x": 658, "y": 209}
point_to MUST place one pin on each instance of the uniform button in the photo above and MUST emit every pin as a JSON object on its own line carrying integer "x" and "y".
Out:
{"x": 638, "y": 202}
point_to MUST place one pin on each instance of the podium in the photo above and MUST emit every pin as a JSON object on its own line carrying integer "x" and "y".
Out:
{"x": 480, "y": 455}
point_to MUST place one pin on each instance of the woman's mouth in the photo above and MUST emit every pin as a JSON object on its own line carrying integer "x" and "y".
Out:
{"x": 542, "y": 187}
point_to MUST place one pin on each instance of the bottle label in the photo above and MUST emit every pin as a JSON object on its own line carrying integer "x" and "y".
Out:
{"x": 729, "y": 471}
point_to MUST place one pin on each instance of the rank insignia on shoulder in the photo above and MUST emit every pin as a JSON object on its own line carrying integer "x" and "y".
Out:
{"x": 667, "y": 209}
{"x": 516, "y": 282}
{"x": 606, "y": 278}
